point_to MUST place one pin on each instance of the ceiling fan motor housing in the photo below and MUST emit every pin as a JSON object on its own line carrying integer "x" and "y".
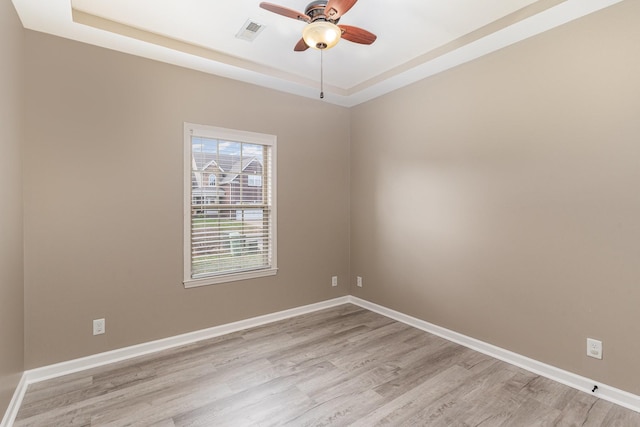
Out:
{"x": 322, "y": 31}
{"x": 315, "y": 11}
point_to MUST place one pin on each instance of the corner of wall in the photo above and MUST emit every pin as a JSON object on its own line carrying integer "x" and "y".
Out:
{"x": 11, "y": 221}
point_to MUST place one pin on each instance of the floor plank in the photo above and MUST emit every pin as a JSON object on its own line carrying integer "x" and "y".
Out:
{"x": 344, "y": 366}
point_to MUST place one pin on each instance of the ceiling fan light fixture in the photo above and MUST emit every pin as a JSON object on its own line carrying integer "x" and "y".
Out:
{"x": 321, "y": 35}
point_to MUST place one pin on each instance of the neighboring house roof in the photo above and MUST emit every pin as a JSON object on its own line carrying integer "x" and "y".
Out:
{"x": 236, "y": 168}
{"x": 198, "y": 171}
{"x": 202, "y": 159}
{"x": 212, "y": 163}
{"x": 229, "y": 166}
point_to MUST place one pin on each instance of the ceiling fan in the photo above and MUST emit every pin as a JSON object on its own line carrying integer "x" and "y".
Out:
{"x": 323, "y": 31}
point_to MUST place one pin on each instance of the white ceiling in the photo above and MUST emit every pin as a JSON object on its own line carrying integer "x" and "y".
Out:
{"x": 416, "y": 38}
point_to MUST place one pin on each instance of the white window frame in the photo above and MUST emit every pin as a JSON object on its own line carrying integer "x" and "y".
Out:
{"x": 228, "y": 135}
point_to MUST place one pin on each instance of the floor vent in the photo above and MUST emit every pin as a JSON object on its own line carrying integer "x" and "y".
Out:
{"x": 250, "y": 30}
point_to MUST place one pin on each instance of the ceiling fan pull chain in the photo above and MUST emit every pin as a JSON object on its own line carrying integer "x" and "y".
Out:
{"x": 321, "y": 73}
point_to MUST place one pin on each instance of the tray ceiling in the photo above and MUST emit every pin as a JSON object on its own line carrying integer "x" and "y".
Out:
{"x": 416, "y": 38}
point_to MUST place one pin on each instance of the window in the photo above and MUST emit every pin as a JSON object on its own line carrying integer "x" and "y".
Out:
{"x": 254, "y": 180}
{"x": 230, "y": 213}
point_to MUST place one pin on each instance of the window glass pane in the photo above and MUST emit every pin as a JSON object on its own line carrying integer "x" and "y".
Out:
{"x": 253, "y": 150}
{"x": 254, "y": 180}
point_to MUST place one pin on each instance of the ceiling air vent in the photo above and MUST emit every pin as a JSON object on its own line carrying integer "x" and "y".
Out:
{"x": 250, "y": 30}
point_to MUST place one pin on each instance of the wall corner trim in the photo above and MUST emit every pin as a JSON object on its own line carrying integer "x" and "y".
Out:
{"x": 578, "y": 382}
{"x": 12, "y": 410}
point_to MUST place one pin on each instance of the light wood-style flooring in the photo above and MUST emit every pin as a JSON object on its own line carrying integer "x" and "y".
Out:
{"x": 343, "y": 366}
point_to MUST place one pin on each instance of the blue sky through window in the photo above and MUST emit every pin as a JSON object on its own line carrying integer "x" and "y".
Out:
{"x": 229, "y": 148}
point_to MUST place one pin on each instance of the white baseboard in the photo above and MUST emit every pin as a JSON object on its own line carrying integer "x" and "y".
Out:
{"x": 16, "y": 401}
{"x": 605, "y": 392}
{"x": 100, "y": 359}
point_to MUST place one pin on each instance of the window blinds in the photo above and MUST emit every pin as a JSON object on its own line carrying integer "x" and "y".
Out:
{"x": 231, "y": 212}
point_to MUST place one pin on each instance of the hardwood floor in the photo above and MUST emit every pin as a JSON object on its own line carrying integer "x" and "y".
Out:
{"x": 341, "y": 366}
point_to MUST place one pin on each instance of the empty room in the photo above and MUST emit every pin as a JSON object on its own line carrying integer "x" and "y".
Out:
{"x": 339, "y": 212}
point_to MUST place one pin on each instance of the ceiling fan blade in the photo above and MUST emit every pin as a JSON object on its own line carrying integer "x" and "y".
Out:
{"x": 285, "y": 11}
{"x": 301, "y": 46}
{"x": 357, "y": 35}
{"x": 336, "y": 8}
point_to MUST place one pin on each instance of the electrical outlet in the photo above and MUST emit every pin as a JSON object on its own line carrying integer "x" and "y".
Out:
{"x": 334, "y": 281}
{"x": 359, "y": 281}
{"x": 99, "y": 326}
{"x": 594, "y": 348}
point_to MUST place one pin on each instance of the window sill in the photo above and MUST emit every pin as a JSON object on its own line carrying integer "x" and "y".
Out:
{"x": 226, "y": 278}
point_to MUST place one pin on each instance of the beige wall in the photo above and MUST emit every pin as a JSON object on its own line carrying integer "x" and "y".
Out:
{"x": 11, "y": 259}
{"x": 103, "y": 199}
{"x": 501, "y": 199}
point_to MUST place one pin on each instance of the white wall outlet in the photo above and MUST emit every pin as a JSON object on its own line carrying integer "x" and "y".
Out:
{"x": 99, "y": 326}
{"x": 359, "y": 281}
{"x": 334, "y": 281}
{"x": 594, "y": 348}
